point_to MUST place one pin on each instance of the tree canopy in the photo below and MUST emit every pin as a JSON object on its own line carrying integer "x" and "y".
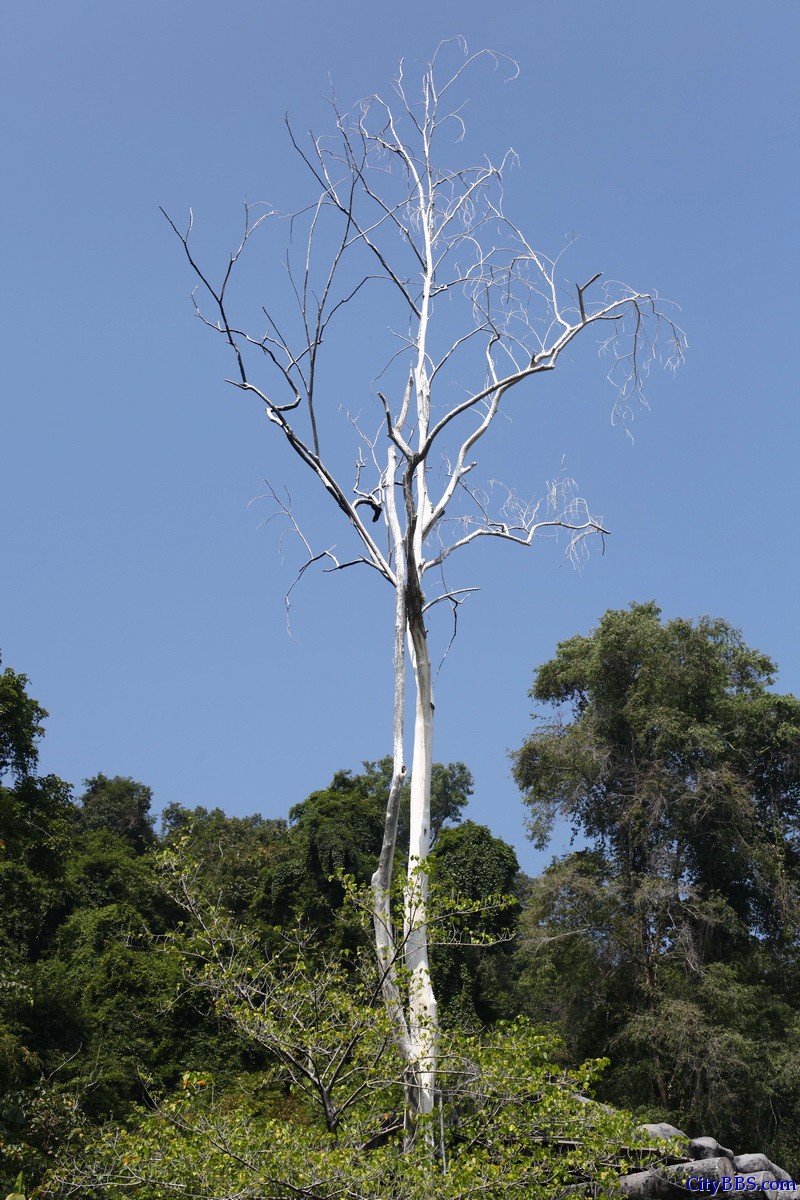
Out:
{"x": 671, "y": 756}
{"x": 21, "y": 724}
{"x": 140, "y": 1016}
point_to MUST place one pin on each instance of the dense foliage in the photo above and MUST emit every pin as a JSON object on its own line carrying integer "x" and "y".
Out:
{"x": 96, "y": 1018}
{"x": 196, "y": 1010}
{"x": 324, "y": 1118}
{"x": 670, "y": 939}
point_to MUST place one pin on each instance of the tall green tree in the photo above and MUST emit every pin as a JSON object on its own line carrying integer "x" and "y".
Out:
{"x": 21, "y": 724}
{"x": 35, "y": 836}
{"x": 671, "y": 939}
{"x": 35, "y": 824}
{"x": 120, "y": 806}
{"x": 234, "y": 854}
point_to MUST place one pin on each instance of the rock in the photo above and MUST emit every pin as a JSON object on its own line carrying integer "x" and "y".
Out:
{"x": 746, "y": 1164}
{"x": 760, "y": 1177}
{"x": 751, "y": 1164}
{"x": 715, "y": 1168}
{"x": 648, "y": 1185}
{"x": 700, "y": 1168}
{"x": 663, "y": 1130}
{"x": 708, "y": 1147}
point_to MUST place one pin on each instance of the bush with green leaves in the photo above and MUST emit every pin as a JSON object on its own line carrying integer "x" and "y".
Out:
{"x": 328, "y": 1116}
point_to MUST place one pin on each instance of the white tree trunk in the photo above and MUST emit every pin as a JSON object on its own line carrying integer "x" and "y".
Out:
{"x": 423, "y": 1016}
{"x": 385, "y": 941}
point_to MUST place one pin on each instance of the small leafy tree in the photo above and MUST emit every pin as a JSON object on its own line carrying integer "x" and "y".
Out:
{"x": 474, "y": 310}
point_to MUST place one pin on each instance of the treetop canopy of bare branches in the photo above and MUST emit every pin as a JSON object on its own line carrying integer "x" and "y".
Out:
{"x": 471, "y": 307}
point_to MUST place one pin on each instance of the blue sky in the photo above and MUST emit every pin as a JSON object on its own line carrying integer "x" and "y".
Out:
{"x": 142, "y": 591}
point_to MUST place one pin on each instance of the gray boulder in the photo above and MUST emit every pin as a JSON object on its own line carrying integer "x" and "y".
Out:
{"x": 649, "y": 1185}
{"x": 708, "y": 1147}
{"x": 715, "y": 1169}
{"x": 663, "y": 1130}
{"x": 700, "y": 1168}
{"x": 752, "y": 1164}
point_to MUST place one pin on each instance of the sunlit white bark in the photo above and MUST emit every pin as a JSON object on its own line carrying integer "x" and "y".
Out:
{"x": 388, "y": 216}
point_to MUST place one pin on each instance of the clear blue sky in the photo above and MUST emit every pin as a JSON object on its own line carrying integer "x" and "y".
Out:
{"x": 141, "y": 591}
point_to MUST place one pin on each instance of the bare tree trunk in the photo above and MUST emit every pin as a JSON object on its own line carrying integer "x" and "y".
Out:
{"x": 422, "y": 1007}
{"x": 385, "y": 941}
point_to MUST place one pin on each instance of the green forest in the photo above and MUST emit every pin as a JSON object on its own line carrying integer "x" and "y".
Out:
{"x": 192, "y": 1006}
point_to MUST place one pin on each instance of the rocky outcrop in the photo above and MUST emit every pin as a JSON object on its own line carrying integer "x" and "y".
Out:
{"x": 703, "y": 1166}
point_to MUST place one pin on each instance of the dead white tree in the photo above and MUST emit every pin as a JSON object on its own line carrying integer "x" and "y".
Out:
{"x": 433, "y": 244}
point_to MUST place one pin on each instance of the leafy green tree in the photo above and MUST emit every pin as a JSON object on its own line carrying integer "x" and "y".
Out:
{"x": 21, "y": 724}
{"x": 35, "y": 837}
{"x": 35, "y": 826}
{"x": 35, "y": 816}
{"x": 234, "y": 853}
{"x": 122, "y": 807}
{"x": 474, "y": 978}
{"x": 671, "y": 940}
{"x": 338, "y": 830}
{"x": 513, "y": 1124}
{"x": 87, "y": 1000}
